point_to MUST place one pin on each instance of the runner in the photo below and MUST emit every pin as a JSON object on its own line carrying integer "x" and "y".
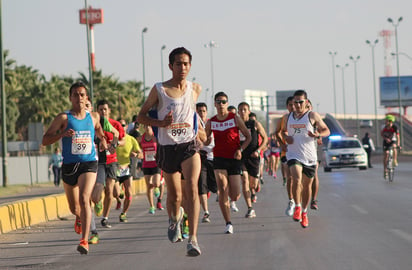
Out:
{"x": 127, "y": 149}
{"x": 300, "y": 135}
{"x": 274, "y": 156}
{"x": 108, "y": 164}
{"x": 285, "y": 168}
{"x": 207, "y": 178}
{"x": 251, "y": 157}
{"x": 77, "y": 128}
{"x": 178, "y": 153}
{"x": 227, "y": 154}
{"x": 151, "y": 171}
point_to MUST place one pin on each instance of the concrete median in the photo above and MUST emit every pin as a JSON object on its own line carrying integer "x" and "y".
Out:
{"x": 25, "y": 213}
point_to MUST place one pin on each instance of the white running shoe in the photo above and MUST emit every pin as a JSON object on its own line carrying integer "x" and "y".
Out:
{"x": 233, "y": 206}
{"x": 229, "y": 229}
{"x": 290, "y": 209}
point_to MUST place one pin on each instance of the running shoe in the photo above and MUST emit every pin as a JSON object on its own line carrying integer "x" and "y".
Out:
{"x": 78, "y": 226}
{"x": 193, "y": 249}
{"x": 174, "y": 232}
{"x": 94, "y": 239}
{"x": 118, "y": 205}
{"x": 385, "y": 175}
{"x": 121, "y": 195}
{"x": 98, "y": 208}
{"x": 395, "y": 163}
{"x": 250, "y": 213}
{"x": 274, "y": 175}
{"x": 305, "y": 220}
{"x": 206, "y": 218}
{"x": 83, "y": 247}
{"x": 159, "y": 206}
{"x": 105, "y": 223}
{"x": 185, "y": 227}
{"x": 208, "y": 194}
{"x": 123, "y": 217}
{"x": 156, "y": 192}
{"x": 314, "y": 205}
{"x": 284, "y": 181}
{"x": 152, "y": 210}
{"x": 233, "y": 206}
{"x": 253, "y": 198}
{"x": 261, "y": 180}
{"x": 229, "y": 229}
{"x": 297, "y": 216}
{"x": 290, "y": 208}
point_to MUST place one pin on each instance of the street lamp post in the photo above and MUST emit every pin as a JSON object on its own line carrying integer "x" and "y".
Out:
{"x": 395, "y": 25}
{"x": 372, "y": 45}
{"x": 161, "y": 59}
{"x": 143, "y": 72}
{"x": 355, "y": 60}
{"x": 333, "y": 54}
{"x": 211, "y": 45}
{"x": 342, "y": 68}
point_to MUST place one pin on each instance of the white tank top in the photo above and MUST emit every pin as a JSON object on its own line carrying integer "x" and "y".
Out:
{"x": 303, "y": 147}
{"x": 184, "y": 126}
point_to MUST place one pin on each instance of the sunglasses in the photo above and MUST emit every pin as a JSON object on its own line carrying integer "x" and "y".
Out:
{"x": 299, "y": 101}
{"x": 123, "y": 125}
{"x": 221, "y": 101}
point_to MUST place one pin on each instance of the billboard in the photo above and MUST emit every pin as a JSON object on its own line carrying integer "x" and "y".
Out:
{"x": 281, "y": 97}
{"x": 389, "y": 91}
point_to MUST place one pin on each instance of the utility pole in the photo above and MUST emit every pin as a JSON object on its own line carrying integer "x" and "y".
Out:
{"x": 3, "y": 106}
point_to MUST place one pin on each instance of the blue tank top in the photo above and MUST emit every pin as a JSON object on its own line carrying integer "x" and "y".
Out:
{"x": 79, "y": 147}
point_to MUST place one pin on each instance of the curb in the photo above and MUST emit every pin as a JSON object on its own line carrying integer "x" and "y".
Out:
{"x": 23, "y": 214}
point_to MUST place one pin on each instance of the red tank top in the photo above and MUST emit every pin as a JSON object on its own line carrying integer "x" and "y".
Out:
{"x": 149, "y": 152}
{"x": 226, "y": 136}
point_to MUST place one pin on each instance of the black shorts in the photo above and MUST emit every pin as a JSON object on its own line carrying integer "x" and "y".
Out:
{"x": 251, "y": 165}
{"x": 72, "y": 171}
{"x": 284, "y": 159}
{"x": 207, "y": 180}
{"x": 231, "y": 165}
{"x": 151, "y": 171}
{"x": 170, "y": 157}
{"x": 106, "y": 171}
{"x": 309, "y": 171}
{"x": 387, "y": 146}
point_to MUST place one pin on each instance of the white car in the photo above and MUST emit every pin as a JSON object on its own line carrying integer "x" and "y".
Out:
{"x": 344, "y": 152}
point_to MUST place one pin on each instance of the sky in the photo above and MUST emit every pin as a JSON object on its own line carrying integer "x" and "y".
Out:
{"x": 265, "y": 45}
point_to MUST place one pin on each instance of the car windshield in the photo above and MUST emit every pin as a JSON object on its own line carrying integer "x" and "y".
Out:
{"x": 344, "y": 144}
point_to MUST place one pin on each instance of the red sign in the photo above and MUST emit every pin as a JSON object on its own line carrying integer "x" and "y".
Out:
{"x": 95, "y": 16}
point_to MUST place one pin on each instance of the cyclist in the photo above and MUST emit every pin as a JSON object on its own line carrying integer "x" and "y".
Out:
{"x": 390, "y": 135}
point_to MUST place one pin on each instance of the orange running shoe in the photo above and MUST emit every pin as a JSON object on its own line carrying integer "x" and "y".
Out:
{"x": 83, "y": 247}
{"x": 297, "y": 216}
{"x": 305, "y": 220}
{"x": 78, "y": 226}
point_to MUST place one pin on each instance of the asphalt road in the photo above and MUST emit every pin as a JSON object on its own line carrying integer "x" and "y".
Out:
{"x": 363, "y": 222}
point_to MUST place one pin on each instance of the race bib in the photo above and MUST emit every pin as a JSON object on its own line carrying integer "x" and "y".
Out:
{"x": 150, "y": 156}
{"x": 124, "y": 172}
{"x": 178, "y": 132}
{"x": 82, "y": 143}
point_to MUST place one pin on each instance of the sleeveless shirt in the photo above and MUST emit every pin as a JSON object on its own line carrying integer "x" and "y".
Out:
{"x": 303, "y": 147}
{"x": 149, "y": 152}
{"x": 226, "y": 136}
{"x": 254, "y": 143}
{"x": 79, "y": 147}
{"x": 184, "y": 126}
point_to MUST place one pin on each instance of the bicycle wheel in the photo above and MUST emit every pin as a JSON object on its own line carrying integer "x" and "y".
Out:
{"x": 391, "y": 173}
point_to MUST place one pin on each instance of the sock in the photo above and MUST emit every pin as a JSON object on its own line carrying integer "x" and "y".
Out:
{"x": 298, "y": 205}
{"x": 229, "y": 222}
{"x": 305, "y": 210}
{"x": 292, "y": 200}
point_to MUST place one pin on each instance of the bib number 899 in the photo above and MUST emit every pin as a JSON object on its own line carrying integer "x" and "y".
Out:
{"x": 178, "y": 131}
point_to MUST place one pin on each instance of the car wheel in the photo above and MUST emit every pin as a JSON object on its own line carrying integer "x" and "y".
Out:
{"x": 363, "y": 168}
{"x": 327, "y": 169}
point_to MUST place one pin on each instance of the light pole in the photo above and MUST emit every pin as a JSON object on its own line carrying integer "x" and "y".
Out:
{"x": 144, "y": 78}
{"x": 161, "y": 59}
{"x": 372, "y": 45}
{"x": 395, "y": 25}
{"x": 211, "y": 45}
{"x": 342, "y": 68}
{"x": 355, "y": 60}
{"x": 3, "y": 107}
{"x": 333, "y": 54}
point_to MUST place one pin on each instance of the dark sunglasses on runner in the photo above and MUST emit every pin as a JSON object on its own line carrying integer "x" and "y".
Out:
{"x": 221, "y": 101}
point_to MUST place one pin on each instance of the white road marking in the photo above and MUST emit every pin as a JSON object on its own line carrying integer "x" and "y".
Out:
{"x": 404, "y": 235}
{"x": 359, "y": 209}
